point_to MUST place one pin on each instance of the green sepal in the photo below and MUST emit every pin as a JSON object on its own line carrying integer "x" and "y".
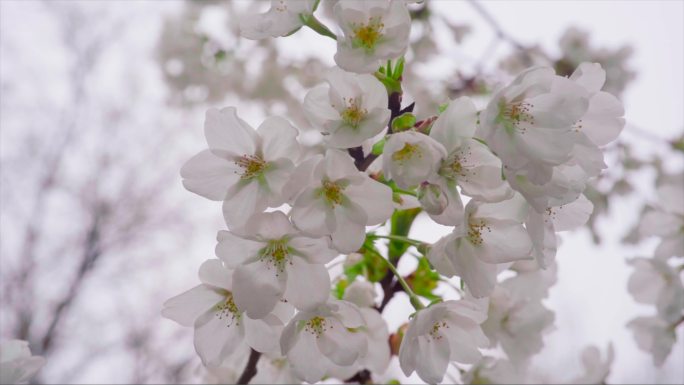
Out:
{"x": 403, "y": 122}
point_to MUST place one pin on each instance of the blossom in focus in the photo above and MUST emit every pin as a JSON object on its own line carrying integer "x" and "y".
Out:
{"x": 374, "y": 31}
{"x": 331, "y": 197}
{"x": 655, "y": 336}
{"x": 220, "y": 325}
{"x": 244, "y": 168}
{"x": 17, "y": 365}
{"x": 490, "y": 234}
{"x": 319, "y": 340}
{"x": 468, "y": 164}
{"x": 442, "y": 333}
{"x": 283, "y": 18}
{"x": 410, "y": 158}
{"x": 529, "y": 124}
{"x": 272, "y": 261}
{"x": 349, "y": 110}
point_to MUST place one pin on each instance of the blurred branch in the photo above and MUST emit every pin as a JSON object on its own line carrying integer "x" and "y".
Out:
{"x": 498, "y": 30}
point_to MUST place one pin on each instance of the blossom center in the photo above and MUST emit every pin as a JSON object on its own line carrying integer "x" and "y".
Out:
{"x": 332, "y": 192}
{"x": 434, "y": 331}
{"x": 475, "y": 228}
{"x": 228, "y": 310}
{"x": 368, "y": 35}
{"x": 353, "y": 114}
{"x": 277, "y": 253}
{"x": 512, "y": 115}
{"x": 407, "y": 152}
{"x": 316, "y": 326}
{"x": 252, "y": 166}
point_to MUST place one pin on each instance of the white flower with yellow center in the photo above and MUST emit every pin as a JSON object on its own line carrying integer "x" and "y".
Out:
{"x": 283, "y": 18}
{"x": 349, "y": 110}
{"x": 411, "y": 158}
{"x": 374, "y": 31}
{"x": 490, "y": 234}
{"x": 320, "y": 340}
{"x": 221, "y": 326}
{"x": 17, "y": 365}
{"x": 331, "y": 197}
{"x": 442, "y": 333}
{"x": 272, "y": 261}
{"x": 468, "y": 164}
{"x": 244, "y": 168}
{"x": 530, "y": 123}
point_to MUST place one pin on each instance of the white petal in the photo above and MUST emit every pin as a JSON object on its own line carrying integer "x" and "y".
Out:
{"x": 480, "y": 277}
{"x": 308, "y": 285}
{"x": 262, "y": 335}
{"x": 227, "y": 135}
{"x": 374, "y": 197}
{"x": 456, "y": 123}
{"x": 590, "y": 76}
{"x": 306, "y": 360}
{"x": 267, "y": 226}
{"x": 503, "y": 241}
{"x": 313, "y": 250}
{"x": 216, "y": 337}
{"x": 279, "y": 139}
{"x": 348, "y": 314}
{"x": 241, "y": 206}
{"x": 207, "y": 175}
{"x": 257, "y": 287}
{"x": 213, "y": 273}
{"x": 234, "y": 250}
{"x": 311, "y": 214}
{"x": 185, "y": 308}
{"x": 341, "y": 346}
{"x": 571, "y": 215}
{"x": 432, "y": 363}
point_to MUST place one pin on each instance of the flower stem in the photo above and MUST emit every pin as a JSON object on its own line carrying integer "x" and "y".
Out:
{"x": 412, "y": 296}
{"x": 402, "y": 191}
{"x": 312, "y": 22}
{"x": 398, "y": 238}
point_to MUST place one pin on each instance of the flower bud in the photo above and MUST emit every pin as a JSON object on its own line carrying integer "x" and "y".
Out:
{"x": 431, "y": 197}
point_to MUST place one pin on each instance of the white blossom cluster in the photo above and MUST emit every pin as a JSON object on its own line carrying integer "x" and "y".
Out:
{"x": 520, "y": 165}
{"x": 655, "y": 280}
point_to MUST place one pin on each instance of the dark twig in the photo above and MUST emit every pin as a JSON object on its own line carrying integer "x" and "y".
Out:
{"x": 250, "y": 370}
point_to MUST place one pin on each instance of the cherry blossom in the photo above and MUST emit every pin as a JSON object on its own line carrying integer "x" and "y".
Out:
{"x": 490, "y": 234}
{"x": 244, "y": 168}
{"x": 272, "y": 261}
{"x": 349, "y": 110}
{"x": 317, "y": 341}
{"x": 334, "y": 198}
{"x": 220, "y": 325}
{"x": 283, "y": 18}
{"x": 411, "y": 158}
{"x": 374, "y": 31}
{"x": 442, "y": 333}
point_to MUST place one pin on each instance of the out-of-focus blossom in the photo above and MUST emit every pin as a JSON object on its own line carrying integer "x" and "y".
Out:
{"x": 374, "y": 31}
{"x": 283, "y": 18}
{"x": 17, "y": 365}
{"x": 666, "y": 219}
{"x": 349, "y": 110}
{"x": 655, "y": 336}
{"x": 655, "y": 282}
{"x": 442, "y": 333}
{"x": 596, "y": 370}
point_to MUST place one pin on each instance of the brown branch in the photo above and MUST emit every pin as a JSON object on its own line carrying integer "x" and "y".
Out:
{"x": 250, "y": 370}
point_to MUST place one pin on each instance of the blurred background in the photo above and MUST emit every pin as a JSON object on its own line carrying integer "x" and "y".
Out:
{"x": 101, "y": 102}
